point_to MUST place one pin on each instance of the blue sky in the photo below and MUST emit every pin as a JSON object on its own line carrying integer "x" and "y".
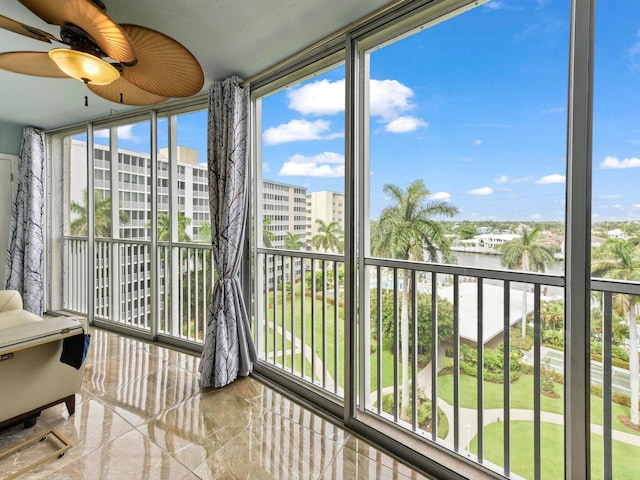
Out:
{"x": 474, "y": 106}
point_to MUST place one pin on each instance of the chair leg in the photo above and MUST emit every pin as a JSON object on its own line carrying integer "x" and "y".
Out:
{"x": 70, "y": 402}
{"x": 30, "y": 422}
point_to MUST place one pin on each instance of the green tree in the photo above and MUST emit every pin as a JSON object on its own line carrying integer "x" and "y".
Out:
{"x": 329, "y": 237}
{"x": 620, "y": 260}
{"x": 552, "y": 314}
{"x": 294, "y": 241}
{"x": 267, "y": 235}
{"x": 101, "y": 217}
{"x": 526, "y": 253}
{"x": 164, "y": 227}
{"x": 406, "y": 230}
{"x": 467, "y": 230}
{"x": 445, "y": 318}
{"x": 204, "y": 234}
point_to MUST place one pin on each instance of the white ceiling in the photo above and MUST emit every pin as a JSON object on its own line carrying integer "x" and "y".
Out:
{"x": 228, "y": 37}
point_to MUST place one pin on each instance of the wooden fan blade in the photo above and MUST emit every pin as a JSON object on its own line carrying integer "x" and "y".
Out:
{"x": 131, "y": 95}
{"x": 165, "y": 67}
{"x": 26, "y": 30}
{"x": 31, "y": 63}
{"x": 89, "y": 17}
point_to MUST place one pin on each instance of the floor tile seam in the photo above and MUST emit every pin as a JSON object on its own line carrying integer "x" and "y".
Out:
{"x": 163, "y": 450}
{"x": 333, "y": 459}
{"x": 106, "y": 404}
{"x": 310, "y": 429}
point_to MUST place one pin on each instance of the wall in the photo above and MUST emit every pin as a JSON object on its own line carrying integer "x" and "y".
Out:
{"x": 10, "y": 138}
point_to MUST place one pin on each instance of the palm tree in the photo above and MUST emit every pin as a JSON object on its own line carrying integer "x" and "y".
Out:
{"x": 164, "y": 227}
{"x": 101, "y": 216}
{"x": 529, "y": 254}
{"x": 329, "y": 237}
{"x": 406, "y": 230}
{"x": 294, "y": 241}
{"x": 267, "y": 235}
{"x": 204, "y": 234}
{"x": 620, "y": 260}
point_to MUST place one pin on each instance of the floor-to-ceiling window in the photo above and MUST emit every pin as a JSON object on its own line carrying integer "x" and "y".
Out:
{"x": 299, "y": 221}
{"x": 139, "y": 200}
{"x": 615, "y": 239}
{"x": 465, "y": 165}
{"x": 467, "y": 136}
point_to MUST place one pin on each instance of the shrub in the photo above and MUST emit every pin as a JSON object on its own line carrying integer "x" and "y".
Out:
{"x": 553, "y": 338}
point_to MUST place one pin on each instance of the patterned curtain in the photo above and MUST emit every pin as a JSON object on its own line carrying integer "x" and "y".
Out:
{"x": 228, "y": 347}
{"x": 25, "y": 253}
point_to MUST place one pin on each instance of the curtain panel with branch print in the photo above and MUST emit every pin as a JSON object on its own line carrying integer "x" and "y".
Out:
{"x": 228, "y": 347}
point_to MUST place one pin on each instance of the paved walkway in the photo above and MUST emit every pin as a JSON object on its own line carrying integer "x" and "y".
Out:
{"x": 468, "y": 417}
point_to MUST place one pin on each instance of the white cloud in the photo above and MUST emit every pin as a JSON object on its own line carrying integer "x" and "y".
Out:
{"x": 318, "y": 98}
{"x": 549, "y": 179}
{"x": 617, "y": 206}
{"x": 324, "y": 157}
{"x": 535, "y": 216}
{"x": 481, "y": 191}
{"x": 477, "y": 143}
{"x": 299, "y": 130}
{"x": 444, "y": 196}
{"x": 616, "y": 163}
{"x": 389, "y": 99}
{"x": 507, "y": 179}
{"x": 614, "y": 196}
{"x": 493, "y": 5}
{"x": 125, "y": 132}
{"x": 325, "y": 164}
{"x": 553, "y": 110}
{"x": 265, "y": 167}
{"x": 636, "y": 205}
{"x": 633, "y": 53}
{"x": 405, "y": 125}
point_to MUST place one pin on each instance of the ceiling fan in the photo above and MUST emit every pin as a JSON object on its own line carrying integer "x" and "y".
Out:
{"x": 127, "y": 64}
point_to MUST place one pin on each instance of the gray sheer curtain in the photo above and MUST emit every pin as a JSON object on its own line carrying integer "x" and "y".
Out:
{"x": 25, "y": 253}
{"x": 228, "y": 347}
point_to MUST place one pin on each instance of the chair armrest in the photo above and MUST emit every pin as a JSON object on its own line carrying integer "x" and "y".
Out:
{"x": 31, "y": 334}
{"x": 10, "y": 300}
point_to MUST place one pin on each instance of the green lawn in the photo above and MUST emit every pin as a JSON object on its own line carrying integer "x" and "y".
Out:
{"x": 314, "y": 318}
{"x": 318, "y": 325}
{"x": 522, "y": 398}
{"x": 551, "y": 442}
{"x": 387, "y": 367}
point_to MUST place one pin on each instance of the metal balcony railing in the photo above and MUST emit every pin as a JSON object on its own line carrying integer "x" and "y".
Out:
{"x": 447, "y": 338}
{"x": 123, "y": 285}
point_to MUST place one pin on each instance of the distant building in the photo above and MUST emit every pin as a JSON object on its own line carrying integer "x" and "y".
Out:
{"x": 285, "y": 207}
{"x": 324, "y": 205}
{"x": 133, "y": 187}
{"x": 617, "y": 234}
{"x": 485, "y": 243}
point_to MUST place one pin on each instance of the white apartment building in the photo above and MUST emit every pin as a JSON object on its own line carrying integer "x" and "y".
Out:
{"x": 133, "y": 188}
{"x": 285, "y": 206}
{"x": 324, "y": 205}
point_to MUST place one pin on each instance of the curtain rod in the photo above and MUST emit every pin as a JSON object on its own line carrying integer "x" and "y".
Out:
{"x": 329, "y": 38}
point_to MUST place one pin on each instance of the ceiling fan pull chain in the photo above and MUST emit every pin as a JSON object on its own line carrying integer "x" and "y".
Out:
{"x": 86, "y": 101}
{"x": 121, "y": 98}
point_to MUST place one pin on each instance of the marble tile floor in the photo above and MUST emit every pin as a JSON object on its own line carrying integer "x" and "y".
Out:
{"x": 141, "y": 414}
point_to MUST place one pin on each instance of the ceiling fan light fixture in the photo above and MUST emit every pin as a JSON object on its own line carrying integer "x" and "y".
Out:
{"x": 84, "y": 67}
